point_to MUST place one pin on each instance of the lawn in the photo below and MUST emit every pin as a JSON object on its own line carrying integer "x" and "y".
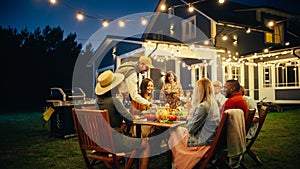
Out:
{"x": 25, "y": 143}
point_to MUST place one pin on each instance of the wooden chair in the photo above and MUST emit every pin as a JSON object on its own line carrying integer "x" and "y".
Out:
{"x": 95, "y": 139}
{"x": 263, "y": 111}
{"x": 249, "y": 118}
{"x": 217, "y": 142}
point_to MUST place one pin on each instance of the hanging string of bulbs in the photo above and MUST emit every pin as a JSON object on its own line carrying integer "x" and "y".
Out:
{"x": 80, "y": 16}
{"x": 144, "y": 20}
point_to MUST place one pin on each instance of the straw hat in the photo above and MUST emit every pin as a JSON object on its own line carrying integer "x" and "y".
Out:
{"x": 146, "y": 60}
{"x": 107, "y": 81}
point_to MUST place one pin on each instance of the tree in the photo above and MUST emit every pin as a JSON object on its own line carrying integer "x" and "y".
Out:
{"x": 34, "y": 62}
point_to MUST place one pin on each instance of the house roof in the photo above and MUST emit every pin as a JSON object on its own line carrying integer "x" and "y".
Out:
{"x": 229, "y": 12}
{"x": 122, "y": 45}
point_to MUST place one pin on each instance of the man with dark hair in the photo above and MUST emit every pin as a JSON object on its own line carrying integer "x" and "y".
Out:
{"x": 235, "y": 99}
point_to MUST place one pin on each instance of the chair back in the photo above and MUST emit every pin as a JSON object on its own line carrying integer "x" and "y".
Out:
{"x": 93, "y": 130}
{"x": 220, "y": 131}
{"x": 249, "y": 118}
{"x": 263, "y": 111}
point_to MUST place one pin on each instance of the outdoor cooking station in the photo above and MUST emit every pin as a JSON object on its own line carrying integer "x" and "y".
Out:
{"x": 63, "y": 101}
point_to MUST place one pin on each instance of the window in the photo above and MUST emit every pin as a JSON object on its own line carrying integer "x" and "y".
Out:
{"x": 232, "y": 71}
{"x": 276, "y": 37}
{"x": 189, "y": 28}
{"x": 235, "y": 73}
{"x": 267, "y": 77}
{"x": 268, "y": 37}
{"x": 200, "y": 71}
{"x": 170, "y": 12}
{"x": 226, "y": 73}
{"x": 287, "y": 75}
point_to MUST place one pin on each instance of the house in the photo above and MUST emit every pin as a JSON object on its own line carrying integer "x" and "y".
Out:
{"x": 226, "y": 41}
{"x": 261, "y": 57}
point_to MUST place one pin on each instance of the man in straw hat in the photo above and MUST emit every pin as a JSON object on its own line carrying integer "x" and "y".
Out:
{"x": 130, "y": 70}
{"x": 109, "y": 97}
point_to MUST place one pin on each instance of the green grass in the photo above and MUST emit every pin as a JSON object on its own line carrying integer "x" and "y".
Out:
{"x": 25, "y": 143}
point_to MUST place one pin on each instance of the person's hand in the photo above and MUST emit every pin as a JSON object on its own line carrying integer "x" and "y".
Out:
{"x": 154, "y": 106}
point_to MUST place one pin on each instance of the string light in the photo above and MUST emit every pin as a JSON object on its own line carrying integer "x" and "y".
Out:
{"x": 105, "y": 23}
{"x": 121, "y": 23}
{"x": 271, "y": 23}
{"x": 80, "y": 16}
{"x": 163, "y": 7}
{"x": 191, "y": 8}
{"x": 52, "y": 1}
{"x": 248, "y": 30}
{"x": 143, "y": 21}
{"x": 221, "y": 1}
{"x": 224, "y": 37}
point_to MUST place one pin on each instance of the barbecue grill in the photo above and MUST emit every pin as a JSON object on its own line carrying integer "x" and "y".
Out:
{"x": 63, "y": 101}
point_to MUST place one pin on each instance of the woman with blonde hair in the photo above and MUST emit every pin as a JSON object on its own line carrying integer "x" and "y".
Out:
{"x": 191, "y": 143}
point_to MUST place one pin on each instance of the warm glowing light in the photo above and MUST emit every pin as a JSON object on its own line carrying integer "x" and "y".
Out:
{"x": 248, "y": 30}
{"x": 221, "y": 1}
{"x": 224, "y": 37}
{"x": 206, "y": 42}
{"x": 271, "y": 23}
{"x": 53, "y": 1}
{"x": 105, "y": 23}
{"x": 163, "y": 7}
{"x": 80, "y": 16}
{"x": 143, "y": 21}
{"x": 121, "y": 23}
{"x": 191, "y": 8}
{"x": 266, "y": 50}
{"x": 287, "y": 43}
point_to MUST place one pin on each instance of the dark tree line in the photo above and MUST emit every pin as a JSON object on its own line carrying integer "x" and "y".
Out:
{"x": 32, "y": 62}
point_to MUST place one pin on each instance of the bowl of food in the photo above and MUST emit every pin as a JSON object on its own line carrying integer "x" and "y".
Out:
{"x": 149, "y": 115}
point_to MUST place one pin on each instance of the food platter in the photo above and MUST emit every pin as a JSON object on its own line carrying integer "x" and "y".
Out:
{"x": 163, "y": 115}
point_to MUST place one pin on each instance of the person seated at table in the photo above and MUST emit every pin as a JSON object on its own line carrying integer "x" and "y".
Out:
{"x": 171, "y": 90}
{"x": 190, "y": 144}
{"x": 234, "y": 97}
{"x": 218, "y": 94}
{"x": 251, "y": 105}
{"x": 109, "y": 97}
{"x": 146, "y": 91}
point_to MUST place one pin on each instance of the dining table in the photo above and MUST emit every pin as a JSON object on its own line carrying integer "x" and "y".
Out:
{"x": 162, "y": 125}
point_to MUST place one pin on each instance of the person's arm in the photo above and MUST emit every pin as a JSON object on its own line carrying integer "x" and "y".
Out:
{"x": 198, "y": 119}
{"x": 132, "y": 88}
{"x": 122, "y": 109}
{"x": 178, "y": 93}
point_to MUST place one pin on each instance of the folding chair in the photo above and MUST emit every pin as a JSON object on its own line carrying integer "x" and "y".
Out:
{"x": 263, "y": 111}
{"x": 217, "y": 142}
{"x": 95, "y": 139}
{"x": 249, "y": 118}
